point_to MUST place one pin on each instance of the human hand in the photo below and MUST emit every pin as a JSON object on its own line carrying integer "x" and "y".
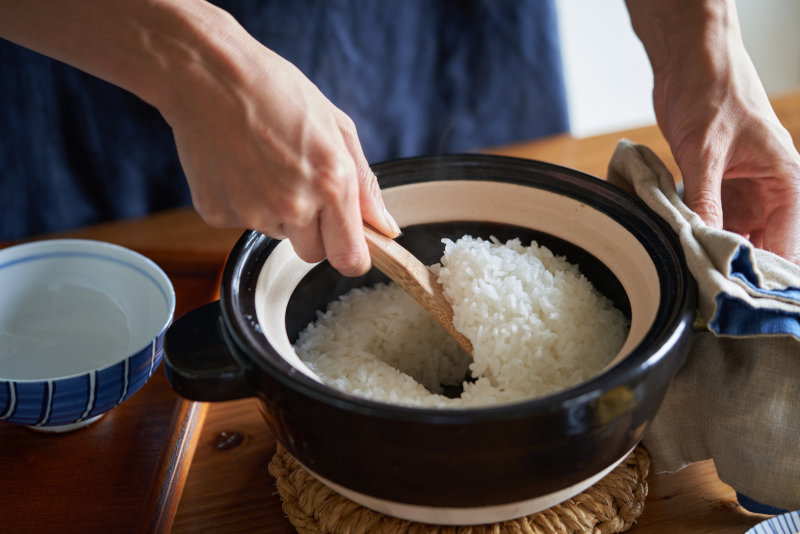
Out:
{"x": 740, "y": 168}
{"x": 263, "y": 148}
{"x": 260, "y": 145}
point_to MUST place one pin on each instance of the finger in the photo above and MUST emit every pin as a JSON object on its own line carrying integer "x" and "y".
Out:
{"x": 279, "y": 233}
{"x": 307, "y": 241}
{"x": 373, "y": 209}
{"x": 267, "y": 225}
{"x": 782, "y": 236}
{"x": 756, "y": 237}
{"x": 702, "y": 194}
{"x": 343, "y": 235}
{"x": 211, "y": 204}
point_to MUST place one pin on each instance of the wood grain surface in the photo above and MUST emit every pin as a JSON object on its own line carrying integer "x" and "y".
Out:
{"x": 230, "y": 491}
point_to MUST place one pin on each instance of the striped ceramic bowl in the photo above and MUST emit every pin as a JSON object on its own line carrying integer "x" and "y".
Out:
{"x": 81, "y": 329}
{"x": 788, "y": 523}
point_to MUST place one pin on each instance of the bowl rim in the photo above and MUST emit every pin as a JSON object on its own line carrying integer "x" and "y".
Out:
{"x": 134, "y": 260}
{"x": 781, "y": 520}
{"x": 251, "y": 250}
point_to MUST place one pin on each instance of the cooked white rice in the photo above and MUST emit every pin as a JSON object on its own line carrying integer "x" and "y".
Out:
{"x": 536, "y": 325}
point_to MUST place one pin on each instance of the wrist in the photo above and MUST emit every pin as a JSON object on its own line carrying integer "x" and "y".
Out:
{"x": 677, "y": 34}
{"x": 697, "y": 55}
{"x": 185, "y": 49}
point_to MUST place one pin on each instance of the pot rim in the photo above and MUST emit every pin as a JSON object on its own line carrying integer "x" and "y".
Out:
{"x": 676, "y": 288}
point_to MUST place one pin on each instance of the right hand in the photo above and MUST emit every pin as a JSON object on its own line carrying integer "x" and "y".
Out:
{"x": 262, "y": 148}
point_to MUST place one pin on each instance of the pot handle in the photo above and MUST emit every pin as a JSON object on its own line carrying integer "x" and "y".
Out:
{"x": 197, "y": 360}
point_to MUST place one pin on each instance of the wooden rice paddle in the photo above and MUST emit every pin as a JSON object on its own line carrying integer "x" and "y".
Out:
{"x": 415, "y": 278}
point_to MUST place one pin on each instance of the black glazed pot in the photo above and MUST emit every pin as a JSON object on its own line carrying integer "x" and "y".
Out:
{"x": 452, "y": 466}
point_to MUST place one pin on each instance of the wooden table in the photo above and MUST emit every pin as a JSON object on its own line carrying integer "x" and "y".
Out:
{"x": 158, "y": 463}
{"x": 125, "y": 472}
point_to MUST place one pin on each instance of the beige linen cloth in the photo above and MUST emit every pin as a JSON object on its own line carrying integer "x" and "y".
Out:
{"x": 736, "y": 400}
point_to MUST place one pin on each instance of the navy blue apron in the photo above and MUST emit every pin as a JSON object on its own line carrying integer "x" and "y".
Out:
{"x": 418, "y": 77}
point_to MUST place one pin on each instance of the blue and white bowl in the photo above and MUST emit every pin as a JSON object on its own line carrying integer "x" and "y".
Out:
{"x": 788, "y": 523}
{"x": 81, "y": 330}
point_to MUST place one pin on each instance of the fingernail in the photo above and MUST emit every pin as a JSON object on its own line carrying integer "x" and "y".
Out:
{"x": 391, "y": 221}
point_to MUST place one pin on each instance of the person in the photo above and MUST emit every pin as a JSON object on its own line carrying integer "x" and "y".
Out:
{"x": 262, "y": 147}
{"x": 419, "y": 77}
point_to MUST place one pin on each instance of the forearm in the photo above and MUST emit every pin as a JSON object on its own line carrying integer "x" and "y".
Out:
{"x": 699, "y": 63}
{"x": 693, "y": 45}
{"x": 146, "y": 47}
{"x": 674, "y": 32}
{"x": 260, "y": 145}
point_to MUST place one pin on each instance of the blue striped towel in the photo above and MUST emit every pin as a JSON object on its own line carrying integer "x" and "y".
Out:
{"x": 735, "y": 399}
{"x": 744, "y": 291}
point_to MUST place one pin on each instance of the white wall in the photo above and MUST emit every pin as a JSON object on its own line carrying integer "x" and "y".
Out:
{"x": 608, "y": 77}
{"x": 770, "y": 33}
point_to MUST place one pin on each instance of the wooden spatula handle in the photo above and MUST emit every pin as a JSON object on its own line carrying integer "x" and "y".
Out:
{"x": 415, "y": 277}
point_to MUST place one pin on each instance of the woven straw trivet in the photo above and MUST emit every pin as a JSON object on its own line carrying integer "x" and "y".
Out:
{"x": 612, "y": 505}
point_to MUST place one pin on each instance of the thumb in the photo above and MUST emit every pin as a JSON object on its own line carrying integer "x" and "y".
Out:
{"x": 373, "y": 210}
{"x": 702, "y": 193}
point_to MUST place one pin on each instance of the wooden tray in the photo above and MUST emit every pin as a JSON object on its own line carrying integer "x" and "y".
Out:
{"x": 125, "y": 472}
